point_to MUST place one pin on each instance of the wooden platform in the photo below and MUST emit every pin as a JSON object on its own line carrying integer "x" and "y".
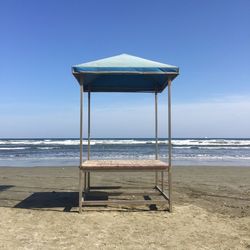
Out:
{"x": 124, "y": 165}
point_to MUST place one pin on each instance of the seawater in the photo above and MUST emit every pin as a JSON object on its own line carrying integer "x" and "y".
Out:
{"x": 65, "y": 151}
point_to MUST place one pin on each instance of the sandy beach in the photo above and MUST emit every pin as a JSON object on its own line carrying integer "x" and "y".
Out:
{"x": 38, "y": 209}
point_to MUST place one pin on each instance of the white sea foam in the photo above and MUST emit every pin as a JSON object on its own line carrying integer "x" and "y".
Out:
{"x": 212, "y": 147}
{"x": 213, "y": 142}
{"x": 16, "y": 148}
{"x": 175, "y": 142}
{"x": 213, "y": 157}
{"x": 46, "y": 148}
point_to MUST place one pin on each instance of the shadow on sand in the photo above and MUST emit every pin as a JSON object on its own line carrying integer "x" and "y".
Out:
{"x": 5, "y": 187}
{"x": 67, "y": 200}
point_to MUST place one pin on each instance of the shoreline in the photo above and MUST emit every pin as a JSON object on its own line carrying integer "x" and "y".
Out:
{"x": 174, "y": 166}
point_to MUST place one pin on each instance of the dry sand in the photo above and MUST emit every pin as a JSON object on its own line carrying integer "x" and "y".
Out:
{"x": 211, "y": 211}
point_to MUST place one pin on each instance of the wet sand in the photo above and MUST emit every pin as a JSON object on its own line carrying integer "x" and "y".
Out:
{"x": 38, "y": 209}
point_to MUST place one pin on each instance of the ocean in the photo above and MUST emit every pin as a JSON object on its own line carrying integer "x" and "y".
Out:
{"x": 65, "y": 151}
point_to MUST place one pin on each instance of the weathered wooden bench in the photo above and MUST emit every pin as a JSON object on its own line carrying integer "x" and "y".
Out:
{"x": 89, "y": 166}
{"x": 124, "y": 165}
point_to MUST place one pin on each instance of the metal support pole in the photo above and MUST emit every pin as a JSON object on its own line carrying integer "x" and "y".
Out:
{"x": 156, "y": 126}
{"x": 80, "y": 191}
{"x": 169, "y": 149}
{"x": 88, "y": 185}
{"x": 156, "y": 135}
{"x": 88, "y": 125}
{"x": 81, "y": 120}
{"x": 162, "y": 181}
{"x": 80, "y": 170}
{"x": 85, "y": 182}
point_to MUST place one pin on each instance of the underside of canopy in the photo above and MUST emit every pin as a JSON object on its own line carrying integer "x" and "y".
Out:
{"x": 124, "y": 73}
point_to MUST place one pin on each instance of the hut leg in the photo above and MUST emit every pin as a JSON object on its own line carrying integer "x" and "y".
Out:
{"x": 85, "y": 186}
{"x": 85, "y": 181}
{"x": 162, "y": 181}
{"x": 170, "y": 190}
{"x": 80, "y": 170}
{"x": 88, "y": 180}
{"x": 169, "y": 149}
{"x": 88, "y": 174}
{"x": 156, "y": 136}
{"x": 156, "y": 178}
{"x": 80, "y": 191}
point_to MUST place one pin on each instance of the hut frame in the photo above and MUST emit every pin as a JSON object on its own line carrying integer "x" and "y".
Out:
{"x": 156, "y": 166}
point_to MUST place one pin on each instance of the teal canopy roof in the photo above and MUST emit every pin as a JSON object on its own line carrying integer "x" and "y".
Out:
{"x": 124, "y": 73}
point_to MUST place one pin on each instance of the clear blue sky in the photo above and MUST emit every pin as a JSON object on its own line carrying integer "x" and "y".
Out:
{"x": 208, "y": 40}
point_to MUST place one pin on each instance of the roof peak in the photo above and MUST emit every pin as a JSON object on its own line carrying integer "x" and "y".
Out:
{"x": 124, "y": 60}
